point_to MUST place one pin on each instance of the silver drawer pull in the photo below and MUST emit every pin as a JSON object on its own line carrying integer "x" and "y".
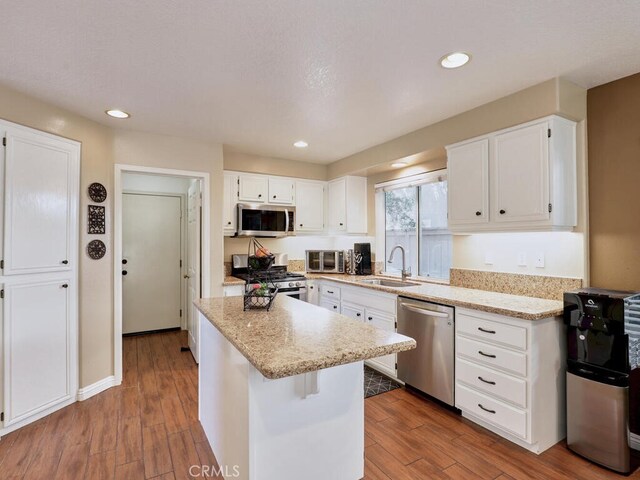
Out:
{"x": 330, "y": 291}
{"x": 486, "y": 381}
{"x": 487, "y": 331}
{"x": 486, "y": 354}
{"x": 486, "y": 409}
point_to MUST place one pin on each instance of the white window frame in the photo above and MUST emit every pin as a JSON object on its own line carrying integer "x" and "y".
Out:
{"x": 380, "y": 213}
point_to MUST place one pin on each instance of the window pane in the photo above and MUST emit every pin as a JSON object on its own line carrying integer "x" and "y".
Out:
{"x": 401, "y": 226}
{"x": 435, "y": 239}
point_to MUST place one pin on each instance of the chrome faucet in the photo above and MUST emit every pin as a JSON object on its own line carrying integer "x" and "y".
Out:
{"x": 405, "y": 273}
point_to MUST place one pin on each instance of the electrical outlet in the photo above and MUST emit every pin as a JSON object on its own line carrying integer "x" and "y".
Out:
{"x": 522, "y": 259}
{"x": 540, "y": 260}
{"x": 488, "y": 258}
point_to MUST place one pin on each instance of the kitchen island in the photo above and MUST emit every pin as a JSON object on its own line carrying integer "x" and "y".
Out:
{"x": 281, "y": 393}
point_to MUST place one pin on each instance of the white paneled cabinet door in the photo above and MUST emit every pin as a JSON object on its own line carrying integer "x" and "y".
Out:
{"x": 253, "y": 188}
{"x": 337, "y": 199}
{"x": 520, "y": 174}
{"x": 39, "y": 348}
{"x": 229, "y": 203}
{"x": 467, "y": 171}
{"x": 281, "y": 190}
{"x": 309, "y": 206}
{"x": 40, "y": 203}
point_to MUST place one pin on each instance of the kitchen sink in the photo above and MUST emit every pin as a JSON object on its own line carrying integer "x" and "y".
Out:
{"x": 383, "y": 282}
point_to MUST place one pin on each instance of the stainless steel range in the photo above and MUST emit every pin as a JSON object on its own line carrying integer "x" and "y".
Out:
{"x": 288, "y": 283}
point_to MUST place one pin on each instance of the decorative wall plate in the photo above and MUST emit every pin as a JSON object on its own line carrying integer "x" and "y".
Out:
{"x": 96, "y": 220}
{"x": 96, "y": 249}
{"x": 97, "y": 192}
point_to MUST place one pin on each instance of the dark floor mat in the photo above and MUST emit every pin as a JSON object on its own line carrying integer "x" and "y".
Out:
{"x": 376, "y": 383}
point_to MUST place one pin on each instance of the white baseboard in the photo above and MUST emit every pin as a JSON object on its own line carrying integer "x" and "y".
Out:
{"x": 94, "y": 389}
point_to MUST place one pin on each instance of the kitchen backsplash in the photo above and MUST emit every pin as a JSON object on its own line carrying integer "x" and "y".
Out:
{"x": 539, "y": 286}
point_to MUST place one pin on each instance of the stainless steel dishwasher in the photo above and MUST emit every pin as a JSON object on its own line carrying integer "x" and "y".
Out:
{"x": 430, "y": 367}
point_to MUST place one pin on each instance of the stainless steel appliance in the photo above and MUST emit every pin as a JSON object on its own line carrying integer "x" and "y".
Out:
{"x": 288, "y": 283}
{"x": 430, "y": 367}
{"x": 265, "y": 220}
{"x": 603, "y": 375}
{"x": 325, "y": 261}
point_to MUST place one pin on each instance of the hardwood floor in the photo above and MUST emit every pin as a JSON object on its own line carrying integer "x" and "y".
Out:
{"x": 148, "y": 428}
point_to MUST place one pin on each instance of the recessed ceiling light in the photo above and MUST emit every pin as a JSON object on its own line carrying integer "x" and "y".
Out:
{"x": 301, "y": 144}
{"x": 454, "y": 60}
{"x": 399, "y": 164}
{"x": 115, "y": 113}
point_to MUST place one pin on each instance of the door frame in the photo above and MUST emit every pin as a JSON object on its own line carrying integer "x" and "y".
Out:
{"x": 205, "y": 287}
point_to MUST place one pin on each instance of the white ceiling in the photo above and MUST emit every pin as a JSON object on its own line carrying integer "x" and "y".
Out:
{"x": 342, "y": 74}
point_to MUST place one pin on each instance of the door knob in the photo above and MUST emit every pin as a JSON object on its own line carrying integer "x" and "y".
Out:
{"x": 65, "y": 262}
{"x": 478, "y": 213}
{"x": 124, "y": 261}
{"x": 64, "y": 285}
{"x": 124, "y": 272}
{"x": 502, "y": 212}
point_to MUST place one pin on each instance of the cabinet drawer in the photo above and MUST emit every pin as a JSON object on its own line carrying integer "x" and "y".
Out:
{"x": 496, "y": 332}
{"x": 330, "y": 304}
{"x": 353, "y": 311}
{"x": 330, "y": 291}
{"x": 491, "y": 410}
{"x": 380, "y": 320}
{"x": 377, "y": 300}
{"x": 513, "y": 362}
{"x": 492, "y": 382}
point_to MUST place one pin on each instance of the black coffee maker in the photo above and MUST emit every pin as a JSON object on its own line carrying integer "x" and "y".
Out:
{"x": 362, "y": 257}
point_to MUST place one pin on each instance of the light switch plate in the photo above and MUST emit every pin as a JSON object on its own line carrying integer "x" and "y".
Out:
{"x": 540, "y": 260}
{"x": 522, "y": 259}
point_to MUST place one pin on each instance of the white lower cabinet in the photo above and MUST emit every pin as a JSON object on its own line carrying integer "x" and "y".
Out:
{"x": 313, "y": 295}
{"x": 39, "y": 348}
{"x": 510, "y": 376}
{"x": 233, "y": 290}
{"x": 363, "y": 304}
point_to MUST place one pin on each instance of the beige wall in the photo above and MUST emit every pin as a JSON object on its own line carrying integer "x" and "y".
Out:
{"x": 162, "y": 151}
{"x": 100, "y": 146}
{"x": 614, "y": 170}
{"x": 246, "y": 162}
{"x": 424, "y": 150}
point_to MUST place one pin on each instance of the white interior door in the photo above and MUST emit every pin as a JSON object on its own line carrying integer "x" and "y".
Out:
{"x": 193, "y": 265}
{"x": 39, "y": 348}
{"x": 151, "y": 231}
{"x": 40, "y": 203}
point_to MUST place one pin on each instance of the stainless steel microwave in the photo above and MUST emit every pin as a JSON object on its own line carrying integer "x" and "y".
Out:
{"x": 265, "y": 220}
{"x": 325, "y": 261}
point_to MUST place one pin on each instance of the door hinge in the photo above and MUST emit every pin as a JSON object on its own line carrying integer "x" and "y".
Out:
{"x": 1, "y": 264}
{"x": 1, "y": 416}
{"x": 550, "y": 208}
{"x": 2, "y": 293}
{"x": 396, "y": 365}
{"x": 180, "y": 263}
{"x": 4, "y": 141}
{"x": 548, "y": 133}
{"x": 180, "y": 313}
{"x": 396, "y": 325}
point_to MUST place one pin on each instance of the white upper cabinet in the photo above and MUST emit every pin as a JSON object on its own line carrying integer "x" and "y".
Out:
{"x": 229, "y": 203}
{"x": 468, "y": 188}
{"x": 520, "y": 174}
{"x": 41, "y": 191}
{"x": 528, "y": 183}
{"x": 347, "y": 200}
{"x": 337, "y": 200}
{"x": 253, "y": 188}
{"x": 309, "y": 206}
{"x": 281, "y": 190}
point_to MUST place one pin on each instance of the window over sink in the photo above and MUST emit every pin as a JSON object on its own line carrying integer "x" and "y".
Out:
{"x": 415, "y": 216}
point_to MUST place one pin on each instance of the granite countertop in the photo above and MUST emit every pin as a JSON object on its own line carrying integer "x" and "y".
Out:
{"x": 229, "y": 280}
{"x": 295, "y": 337}
{"x": 527, "y": 308}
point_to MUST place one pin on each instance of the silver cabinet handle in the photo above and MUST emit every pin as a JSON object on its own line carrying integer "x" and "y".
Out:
{"x": 424, "y": 311}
